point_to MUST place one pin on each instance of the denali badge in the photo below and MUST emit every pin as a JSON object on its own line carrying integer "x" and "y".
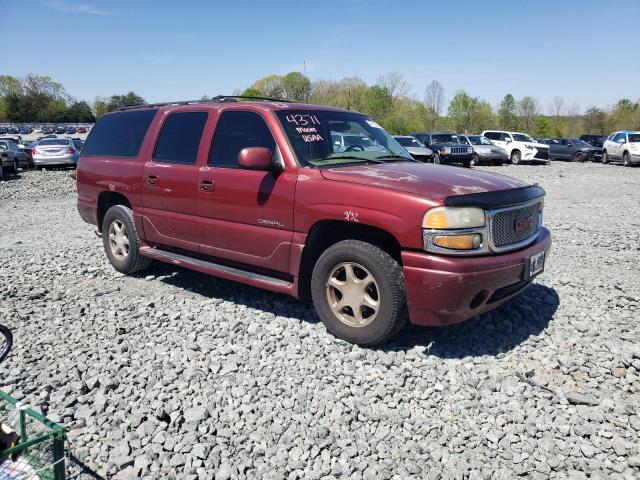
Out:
{"x": 523, "y": 224}
{"x": 274, "y": 223}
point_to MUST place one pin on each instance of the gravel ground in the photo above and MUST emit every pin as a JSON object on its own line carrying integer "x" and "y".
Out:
{"x": 174, "y": 374}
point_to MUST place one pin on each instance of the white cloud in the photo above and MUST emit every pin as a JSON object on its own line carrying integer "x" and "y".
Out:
{"x": 77, "y": 8}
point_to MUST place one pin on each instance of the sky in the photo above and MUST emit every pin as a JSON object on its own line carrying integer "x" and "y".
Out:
{"x": 586, "y": 51}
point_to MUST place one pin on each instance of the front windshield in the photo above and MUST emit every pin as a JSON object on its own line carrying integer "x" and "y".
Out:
{"x": 634, "y": 137}
{"x": 479, "y": 140}
{"x": 328, "y": 138}
{"x": 54, "y": 141}
{"x": 408, "y": 141}
{"x": 444, "y": 138}
{"x": 520, "y": 137}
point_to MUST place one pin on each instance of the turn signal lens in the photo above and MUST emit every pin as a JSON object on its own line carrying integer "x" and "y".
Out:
{"x": 452, "y": 217}
{"x": 458, "y": 242}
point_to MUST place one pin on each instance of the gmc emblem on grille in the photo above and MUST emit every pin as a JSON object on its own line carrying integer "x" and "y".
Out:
{"x": 524, "y": 223}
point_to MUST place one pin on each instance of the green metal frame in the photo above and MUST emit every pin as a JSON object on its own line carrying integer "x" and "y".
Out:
{"x": 55, "y": 436}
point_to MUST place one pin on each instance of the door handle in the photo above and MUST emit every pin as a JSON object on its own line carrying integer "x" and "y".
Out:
{"x": 207, "y": 185}
{"x": 152, "y": 180}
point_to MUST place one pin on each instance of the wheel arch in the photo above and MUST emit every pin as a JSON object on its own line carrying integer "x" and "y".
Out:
{"x": 107, "y": 200}
{"x": 325, "y": 233}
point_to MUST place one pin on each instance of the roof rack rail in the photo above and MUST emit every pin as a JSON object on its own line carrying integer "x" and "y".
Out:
{"x": 216, "y": 99}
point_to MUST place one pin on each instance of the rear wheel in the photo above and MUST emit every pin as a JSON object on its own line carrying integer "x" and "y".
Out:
{"x": 515, "y": 157}
{"x": 358, "y": 292}
{"x": 605, "y": 157}
{"x": 475, "y": 161}
{"x": 436, "y": 158}
{"x": 626, "y": 159}
{"x": 121, "y": 241}
{"x": 578, "y": 157}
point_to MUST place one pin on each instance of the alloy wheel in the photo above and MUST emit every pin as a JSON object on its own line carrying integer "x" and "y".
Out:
{"x": 353, "y": 294}
{"x": 118, "y": 239}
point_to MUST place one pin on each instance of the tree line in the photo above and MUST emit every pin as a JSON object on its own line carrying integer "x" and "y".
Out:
{"x": 389, "y": 101}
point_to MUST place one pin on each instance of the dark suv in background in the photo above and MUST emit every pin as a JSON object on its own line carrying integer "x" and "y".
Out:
{"x": 446, "y": 147}
{"x": 595, "y": 141}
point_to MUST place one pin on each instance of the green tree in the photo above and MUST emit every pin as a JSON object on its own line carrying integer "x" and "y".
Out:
{"x": 79, "y": 112}
{"x": 470, "y": 114}
{"x": 595, "y": 121}
{"x": 528, "y": 110}
{"x": 127, "y": 100}
{"x": 270, "y": 86}
{"x": 296, "y": 87}
{"x": 99, "y": 107}
{"x": 544, "y": 127}
{"x": 507, "y": 113}
{"x": 377, "y": 102}
{"x": 251, "y": 92}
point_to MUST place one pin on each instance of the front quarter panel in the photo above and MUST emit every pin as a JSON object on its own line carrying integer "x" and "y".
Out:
{"x": 398, "y": 213}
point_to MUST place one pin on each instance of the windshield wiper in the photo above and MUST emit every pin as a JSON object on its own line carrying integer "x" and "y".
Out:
{"x": 394, "y": 157}
{"x": 349, "y": 157}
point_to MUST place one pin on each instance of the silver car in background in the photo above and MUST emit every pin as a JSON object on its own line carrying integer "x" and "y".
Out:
{"x": 50, "y": 152}
{"x": 415, "y": 147}
{"x": 483, "y": 150}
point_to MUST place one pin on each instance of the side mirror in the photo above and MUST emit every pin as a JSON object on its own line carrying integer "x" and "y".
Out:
{"x": 569, "y": 144}
{"x": 257, "y": 158}
{"x": 623, "y": 140}
{"x": 507, "y": 140}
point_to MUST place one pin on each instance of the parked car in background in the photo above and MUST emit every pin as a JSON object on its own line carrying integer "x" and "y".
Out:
{"x": 571, "y": 149}
{"x": 71, "y": 130}
{"x": 3, "y": 130}
{"x": 13, "y": 130}
{"x": 266, "y": 200}
{"x": 544, "y": 141}
{"x": 55, "y": 152}
{"x": 519, "y": 146}
{"x": 60, "y": 129}
{"x": 446, "y": 147}
{"x": 483, "y": 150}
{"x": 594, "y": 140}
{"x": 79, "y": 143}
{"x": 12, "y": 156}
{"x": 26, "y": 130}
{"x": 415, "y": 148}
{"x": 622, "y": 147}
{"x": 48, "y": 130}
{"x": 352, "y": 142}
{"x": 81, "y": 130}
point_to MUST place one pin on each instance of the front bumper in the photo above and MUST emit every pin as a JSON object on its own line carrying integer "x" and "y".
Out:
{"x": 634, "y": 157}
{"x": 446, "y": 290}
{"x": 535, "y": 155}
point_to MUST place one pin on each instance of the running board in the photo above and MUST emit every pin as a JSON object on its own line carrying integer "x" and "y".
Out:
{"x": 223, "y": 271}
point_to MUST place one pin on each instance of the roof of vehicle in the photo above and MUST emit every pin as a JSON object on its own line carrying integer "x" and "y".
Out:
{"x": 629, "y": 131}
{"x": 433, "y": 133}
{"x": 403, "y": 136}
{"x": 264, "y": 102}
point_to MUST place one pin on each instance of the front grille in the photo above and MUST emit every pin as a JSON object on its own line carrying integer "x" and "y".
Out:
{"x": 459, "y": 150}
{"x": 504, "y": 225}
{"x": 542, "y": 153}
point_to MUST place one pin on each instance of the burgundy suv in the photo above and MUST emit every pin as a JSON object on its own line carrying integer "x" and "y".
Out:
{"x": 259, "y": 192}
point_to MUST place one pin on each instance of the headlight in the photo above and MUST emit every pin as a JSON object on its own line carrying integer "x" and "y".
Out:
{"x": 442, "y": 218}
{"x": 529, "y": 147}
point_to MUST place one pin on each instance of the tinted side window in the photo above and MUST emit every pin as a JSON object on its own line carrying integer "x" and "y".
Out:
{"x": 179, "y": 138}
{"x": 237, "y": 130}
{"x": 119, "y": 134}
{"x": 504, "y": 137}
{"x": 618, "y": 137}
{"x": 491, "y": 135}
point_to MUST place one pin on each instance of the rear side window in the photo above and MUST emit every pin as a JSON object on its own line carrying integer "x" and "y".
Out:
{"x": 237, "y": 130}
{"x": 491, "y": 135}
{"x": 179, "y": 138}
{"x": 119, "y": 134}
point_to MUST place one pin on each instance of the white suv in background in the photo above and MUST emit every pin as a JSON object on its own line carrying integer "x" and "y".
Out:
{"x": 622, "y": 147}
{"x": 519, "y": 146}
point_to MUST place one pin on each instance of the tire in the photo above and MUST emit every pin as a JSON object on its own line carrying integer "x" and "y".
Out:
{"x": 516, "y": 157}
{"x": 385, "y": 289}
{"x": 122, "y": 244}
{"x": 436, "y": 158}
{"x": 1, "y": 171}
{"x": 475, "y": 161}
{"x": 605, "y": 157}
{"x": 626, "y": 159}
{"x": 578, "y": 157}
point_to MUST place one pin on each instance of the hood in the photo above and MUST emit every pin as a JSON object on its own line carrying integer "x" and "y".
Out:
{"x": 537, "y": 145}
{"x": 447, "y": 144}
{"x": 419, "y": 151}
{"x": 432, "y": 181}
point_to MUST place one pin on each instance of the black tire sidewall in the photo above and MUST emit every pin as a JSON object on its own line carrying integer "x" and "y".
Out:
{"x": 516, "y": 158}
{"x": 605, "y": 157}
{"x": 386, "y": 323}
{"x": 475, "y": 160}
{"x": 436, "y": 159}
{"x": 625, "y": 159}
{"x": 120, "y": 212}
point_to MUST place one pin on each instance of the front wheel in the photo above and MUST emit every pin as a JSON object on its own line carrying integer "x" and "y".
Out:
{"x": 626, "y": 159}
{"x": 605, "y": 157}
{"x": 515, "y": 157}
{"x": 578, "y": 157}
{"x": 436, "y": 158}
{"x": 475, "y": 161}
{"x": 121, "y": 241}
{"x": 358, "y": 292}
